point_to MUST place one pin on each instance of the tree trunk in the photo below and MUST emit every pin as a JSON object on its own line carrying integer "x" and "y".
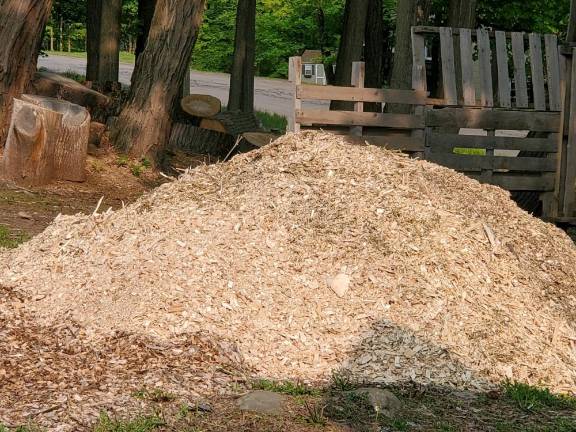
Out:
{"x": 351, "y": 46}
{"x": 462, "y": 13}
{"x": 374, "y": 51}
{"x": 21, "y": 25}
{"x": 571, "y": 37}
{"x": 103, "y": 40}
{"x": 61, "y": 35}
{"x": 145, "y": 15}
{"x": 145, "y": 122}
{"x": 241, "y": 97}
{"x": 48, "y": 140}
{"x": 51, "y": 39}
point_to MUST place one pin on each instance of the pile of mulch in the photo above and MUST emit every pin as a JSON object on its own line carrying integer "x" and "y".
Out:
{"x": 312, "y": 255}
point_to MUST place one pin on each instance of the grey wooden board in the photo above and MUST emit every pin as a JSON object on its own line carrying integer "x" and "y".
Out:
{"x": 538, "y": 183}
{"x": 418, "y": 62}
{"x": 519, "y": 57}
{"x": 493, "y": 119}
{"x": 466, "y": 59}
{"x": 570, "y": 180}
{"x": 446, "y": 143}
{"x": 448, "y": 68}
{"x": 408, "y": 144}
{"x": 484, "y": 58}
{"x": 478, "y": 163}
{"x": 350, "y": 118}
{"x": 353, "y": 94}
{"x": 553, "y": 72}
{"x": 504, "y": 85}
{"x": 537, "y": 68}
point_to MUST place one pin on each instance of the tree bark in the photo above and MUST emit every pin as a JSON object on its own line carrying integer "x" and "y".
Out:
{"x": 351, "y": 46}
{"x": 571, "y": 37}
{"x": 145, "y": 14}
{"x": 48, "y": 140}
{"x": 145, "y": 122}
{"x": 375, "y": 48}
{"x": 462, "y": 13}
{"x": 103, "y": 40}
{"x": 21, "y": 25}
{"x": 241, "y": 97}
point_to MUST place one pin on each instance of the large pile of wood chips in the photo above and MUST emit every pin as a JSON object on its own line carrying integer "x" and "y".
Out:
{"x": 312, "y": 255}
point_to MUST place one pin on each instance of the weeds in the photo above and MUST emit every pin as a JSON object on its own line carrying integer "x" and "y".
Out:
{"x": 154, "y": 395}
{"x": 315, "y": 414}
{"x": 137, "y": 169}
{"x": 271, "y": 121}
{"x": 342, "y": 381}
{"x": 399, "y": 425}
{"x": 285, "y": 387}
{"x": 138, "y": 424}
{"x": 10, "y": 240}
{"x": 122, "y": 160}
{"x": 530, "y": 398}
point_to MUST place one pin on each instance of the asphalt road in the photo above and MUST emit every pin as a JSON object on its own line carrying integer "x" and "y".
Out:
{"x": 272, "y": 95}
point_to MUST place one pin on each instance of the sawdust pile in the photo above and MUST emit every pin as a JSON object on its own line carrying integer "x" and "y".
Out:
{"x": 313, "y": 254}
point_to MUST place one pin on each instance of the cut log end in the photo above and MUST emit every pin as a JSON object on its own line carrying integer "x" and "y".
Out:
{"x": 202, "y": 106}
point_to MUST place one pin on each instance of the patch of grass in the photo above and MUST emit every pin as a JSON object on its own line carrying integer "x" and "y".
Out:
{"x": 138, "y": 424}
{"x": 470, "y": 151}
{"x": 285, "y": 387}
{"x": 531, "y": 398}
{"x": 350, "y": 408}
{"x": 137, "y": 169}
{"x": 125, "y": 57}
{"x": 315, "y": 414}
{"x": 154, "y": 395}
{"x": 146, "y": 163}
{"x": 11, "y": 240}
{"x": 399, "y": 425}
{"x": 74, "y": 76}
{"x": 342, "y": 381}
{"x": 272, "y": 121}
{"x": 122, "y": 160}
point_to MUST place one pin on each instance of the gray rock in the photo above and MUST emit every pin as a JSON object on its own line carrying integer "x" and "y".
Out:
{"x": 262, "y": 402}
{"x": 383, "y": 401}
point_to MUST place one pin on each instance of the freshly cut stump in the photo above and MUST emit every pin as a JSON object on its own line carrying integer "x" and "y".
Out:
{"x": 47, "y": 140}
{"x": 448, "y": 281}
{"x": 203, "y": 106}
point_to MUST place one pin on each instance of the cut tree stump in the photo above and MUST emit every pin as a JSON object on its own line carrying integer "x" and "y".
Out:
{"x": 202, "y": 106}
{"x": 213, "y": 124}
{"x": 47, "y": 140}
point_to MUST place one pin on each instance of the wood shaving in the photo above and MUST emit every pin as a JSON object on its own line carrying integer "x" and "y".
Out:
{"x": 241, "y": 251}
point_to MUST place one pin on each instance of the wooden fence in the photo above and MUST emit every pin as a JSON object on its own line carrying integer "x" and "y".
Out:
{"x": 497, "y": 117}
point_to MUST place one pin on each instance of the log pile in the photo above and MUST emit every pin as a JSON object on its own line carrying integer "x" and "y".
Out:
{"x": 47, "y": 140}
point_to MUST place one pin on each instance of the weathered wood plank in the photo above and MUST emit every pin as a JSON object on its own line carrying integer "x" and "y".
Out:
{"x": 408, "y": 144}
{"x": 295, "y": 77}
{"x": 348, "y": 118}
{"x": 448, "y": 68}
{"x": 445, "y": 143}
{"x": 519, "y": 57}
{"x": 357, "y": 81}
{"x": 494, "y": 119}
{"x": 418, "y": 63}
{"x": 351, "y": 94}
{"x": 484, "y": 57}
{"x": 553, "y": 72}
{"x": 537, "y": 68}
{"x": 570, "y": 155}
{"x": 504, "y": 85}
{"x": 479, "y": 163}
{"x": 510, "y": 182}
{"x": 468, "y": 89}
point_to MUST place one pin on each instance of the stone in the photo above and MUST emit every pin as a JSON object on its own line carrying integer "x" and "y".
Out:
{"x": 340, "y": 284}
{"x": 261, "y": 402}
{"x": 383, "y": 401}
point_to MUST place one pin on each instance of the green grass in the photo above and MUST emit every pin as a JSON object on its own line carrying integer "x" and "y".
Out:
{"x": 154, "y": 395}
{"x": 341, "y": 381}
{"x": 531, "y": 398}
{"x": 74, "y": 76}
{"x": 285, "y": 387}
{"x": 125, "y": 57}
{"x": 272, "y": 121}
{"x": 11, "y": 240}
{"x": 470, "y": 151}
{"x": 138, "y": 424}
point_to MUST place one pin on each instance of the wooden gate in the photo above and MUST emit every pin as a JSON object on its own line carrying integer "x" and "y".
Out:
{"x": 497, "y": 115}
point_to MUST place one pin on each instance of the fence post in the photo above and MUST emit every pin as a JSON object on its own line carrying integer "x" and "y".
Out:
{"x": 295, "y": 77}
{"x": 570, "y": 155}
{"x": 357, "y": 80}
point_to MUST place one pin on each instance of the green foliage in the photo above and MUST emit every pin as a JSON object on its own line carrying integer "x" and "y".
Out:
{"x": 315, "y": 414}
{"x": 342, "y": 381}
{"x": 138, "y": 424}
{"x": 122, "y": 160}
{"x": 271, "y": 121}
{"x": 285, "y": 387}
{"x": 530, "y": 398}
{"x": 11, "y": 240}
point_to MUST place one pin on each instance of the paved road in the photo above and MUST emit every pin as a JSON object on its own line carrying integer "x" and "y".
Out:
{"x": 272, "y": 95}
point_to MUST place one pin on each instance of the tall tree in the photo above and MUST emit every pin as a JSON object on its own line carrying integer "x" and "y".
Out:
{"x": 571, "y": 36}
{"x": 145, "y": 15}
{"x": 145, "y": 123}
{"x": 241, "y": 95}
{"x": 408, "y": 14}
{"x": 103, "y": 40}
{"x": 21, "y": 26}
{"x": 462, "y": 13}
{"x": 375, "y": 48}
